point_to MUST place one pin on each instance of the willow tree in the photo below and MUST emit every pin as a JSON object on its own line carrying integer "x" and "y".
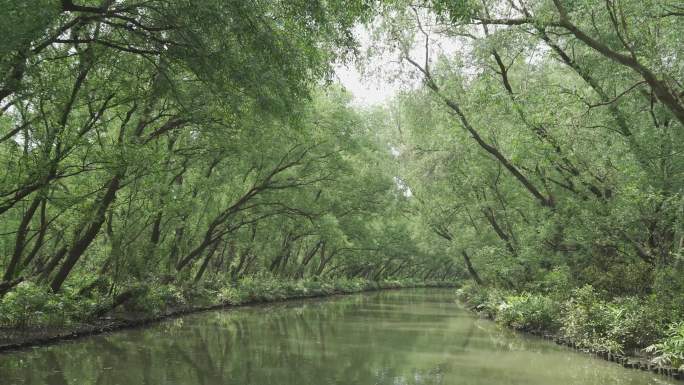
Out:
{"x": 552, "y": 126}
{"x": 102, "y": 103}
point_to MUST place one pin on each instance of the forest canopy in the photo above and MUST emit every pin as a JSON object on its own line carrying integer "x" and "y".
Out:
{"x": 191, "y": 145}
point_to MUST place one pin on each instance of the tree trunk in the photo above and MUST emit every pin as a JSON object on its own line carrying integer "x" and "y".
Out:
{"x": 20, "y": 241}
{"x": 205, "y": 263}
{"x": 471, "y": 270}
{"x": 86, "y": 238}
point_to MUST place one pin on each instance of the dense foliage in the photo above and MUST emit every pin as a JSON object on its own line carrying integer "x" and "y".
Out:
{"x": 544, "y": 149}
{"x": 155, "y": 149}
{"x": 158, "y": 152}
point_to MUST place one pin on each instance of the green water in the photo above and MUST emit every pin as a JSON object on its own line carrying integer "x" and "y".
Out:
{"x": 393, "y": 337}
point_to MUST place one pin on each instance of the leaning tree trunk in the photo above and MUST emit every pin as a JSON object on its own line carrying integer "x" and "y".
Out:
{"x": 471, "y": 270}
{"x": 86, "y": 238}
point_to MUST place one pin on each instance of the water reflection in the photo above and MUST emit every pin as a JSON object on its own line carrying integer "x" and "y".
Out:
{"x": 408, "y": 337}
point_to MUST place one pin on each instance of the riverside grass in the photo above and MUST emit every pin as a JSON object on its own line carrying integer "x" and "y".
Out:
{"x": 636, "y": 332}
{"x": 29, "y": 307}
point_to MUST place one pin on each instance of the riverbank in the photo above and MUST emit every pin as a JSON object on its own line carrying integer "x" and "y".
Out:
{"x": 137, "y": 314}
{"x": 623, "y": 331}
{"x": 386, "y": 337}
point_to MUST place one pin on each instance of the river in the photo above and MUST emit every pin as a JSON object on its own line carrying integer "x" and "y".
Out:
{"x": 401, "y": 337}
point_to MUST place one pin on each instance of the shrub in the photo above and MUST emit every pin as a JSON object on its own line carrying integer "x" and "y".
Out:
{"x": 485, "y": 301}
{"x": 587, "y": 320}
{"x": 350, "y": 285}
{"x": 27, "y": 305}
{"x": 635, "y": 322}
{"x": 156, "y": 299}
{"x": 557, "y": 283}
{"x": 262, "y": 289}
{"x": 472, "y": 295}
{"x": 670, "y": 349}
{"x": 231, "y": 295}
{"x": 529, "y": 312}
{"x": 614, "y": 326}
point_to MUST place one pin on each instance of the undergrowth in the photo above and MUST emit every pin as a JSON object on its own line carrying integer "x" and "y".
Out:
{"x": 586, "y": 317}
{"x": 32, "y": 306}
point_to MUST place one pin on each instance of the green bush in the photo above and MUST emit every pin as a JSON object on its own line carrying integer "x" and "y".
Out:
{"x": 156, "y": 299}
{"x": 636, "y": 322}
{"x": 231, "y": 295}
{"x": 472, "y": 295}
{"x": 670, "y": 349}
{"x": 586, "y": 318}
{"x": 484, "y": 301}
{"x": 611, "y": 326}
{"x": 492, "y": 304}
{"x": 529, "y": 312}
{"x": 556, "y": 283}
{"x": 29, "y": 305}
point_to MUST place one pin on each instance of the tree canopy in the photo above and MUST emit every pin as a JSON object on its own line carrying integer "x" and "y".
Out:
{"x": 188, "y": 143}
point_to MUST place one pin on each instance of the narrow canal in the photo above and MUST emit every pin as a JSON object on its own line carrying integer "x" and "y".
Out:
{"x": 393, "y": 337}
